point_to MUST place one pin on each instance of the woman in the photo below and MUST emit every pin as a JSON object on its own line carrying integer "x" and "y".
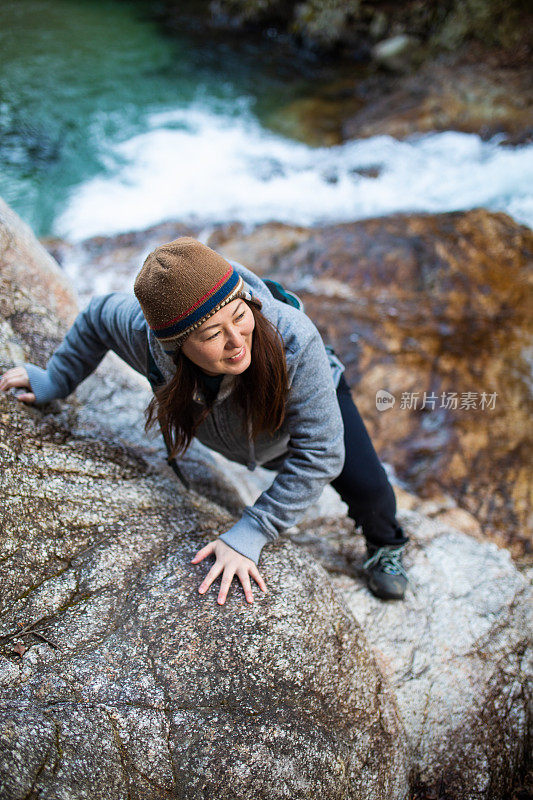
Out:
{"x": 249, "y": 376}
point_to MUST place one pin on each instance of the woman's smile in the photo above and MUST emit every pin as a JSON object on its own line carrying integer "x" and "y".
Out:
{"x": 239, "y": 355}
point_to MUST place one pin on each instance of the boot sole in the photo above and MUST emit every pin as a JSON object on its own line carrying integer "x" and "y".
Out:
{"x": 377, "y": 591}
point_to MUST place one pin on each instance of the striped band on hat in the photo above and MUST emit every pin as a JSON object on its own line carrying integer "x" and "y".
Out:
{"x": 177, "y": 332}
{"x": 229, "y": 284}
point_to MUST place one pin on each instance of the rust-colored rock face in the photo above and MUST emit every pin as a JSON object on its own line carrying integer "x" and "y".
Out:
{"x": 474, "y": 96}
{"x": 467, "y": 92}
{"x": 436, "y": 304}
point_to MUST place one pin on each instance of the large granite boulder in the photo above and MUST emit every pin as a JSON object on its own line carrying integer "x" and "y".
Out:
{"x": 37, "y": 302}
{"x": 140, "y": 687}
{"x": 458, "y": 651}
{"x": 118, "y": 680}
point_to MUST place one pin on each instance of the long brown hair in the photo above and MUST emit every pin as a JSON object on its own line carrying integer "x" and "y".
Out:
{"x": 260, "y": 391}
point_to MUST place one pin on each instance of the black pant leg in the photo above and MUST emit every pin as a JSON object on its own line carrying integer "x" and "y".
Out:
{"x": 363, "y": 483}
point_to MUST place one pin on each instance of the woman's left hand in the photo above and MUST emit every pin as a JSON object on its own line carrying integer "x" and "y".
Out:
{"x": 230, "y": 563}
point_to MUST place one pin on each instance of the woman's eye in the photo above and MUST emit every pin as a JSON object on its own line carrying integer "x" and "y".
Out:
{"x": 214, "y": 335}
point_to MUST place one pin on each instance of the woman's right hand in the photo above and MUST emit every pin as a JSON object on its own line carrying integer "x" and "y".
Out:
{"x": 17, "y": 378}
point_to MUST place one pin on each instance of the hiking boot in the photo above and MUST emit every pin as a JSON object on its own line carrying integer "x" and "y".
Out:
{"x": 387, "y": 578}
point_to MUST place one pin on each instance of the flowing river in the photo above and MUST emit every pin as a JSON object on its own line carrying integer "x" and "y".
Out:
{"x": 108, "y": 125}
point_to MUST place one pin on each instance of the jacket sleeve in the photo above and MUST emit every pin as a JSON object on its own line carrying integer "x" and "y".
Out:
{"x": 315, "y": 454}
{"x": 110, "y": 322}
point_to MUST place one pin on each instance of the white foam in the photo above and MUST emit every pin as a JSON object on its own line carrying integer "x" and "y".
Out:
{"x": 194, "y": 164}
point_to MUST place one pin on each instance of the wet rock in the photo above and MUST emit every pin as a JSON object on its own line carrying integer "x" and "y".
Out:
{"x": 395, "y": 53}
{"x": 367, "y": 172}
{"x": 117, "y": 679}
{"x": 265, "y": 244}
{"x": 316, "y": 120}
{"x": 435, "y": 304}
{"x": 465, "y": 91}
{"x": 468, "y": 92}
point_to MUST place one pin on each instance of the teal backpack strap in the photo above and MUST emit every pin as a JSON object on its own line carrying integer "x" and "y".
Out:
{"x": 280, "y": 293}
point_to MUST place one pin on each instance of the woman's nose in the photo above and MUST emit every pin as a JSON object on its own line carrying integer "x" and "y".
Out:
{"x": 235, "y": 339}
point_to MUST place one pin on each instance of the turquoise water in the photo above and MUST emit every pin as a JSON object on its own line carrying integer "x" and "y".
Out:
{"x": 77, "y": 77}
{"x": 109, "y": 125}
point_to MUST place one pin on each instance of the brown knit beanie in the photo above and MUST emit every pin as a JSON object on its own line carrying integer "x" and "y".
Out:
{"x": 183, "y": 283}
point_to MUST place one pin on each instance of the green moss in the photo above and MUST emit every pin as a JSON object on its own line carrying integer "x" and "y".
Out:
{"x": 496, "y": 23}
{"x": 325, "y": 21}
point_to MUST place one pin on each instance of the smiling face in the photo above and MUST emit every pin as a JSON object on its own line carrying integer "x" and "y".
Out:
{"x": 223, "y": 344}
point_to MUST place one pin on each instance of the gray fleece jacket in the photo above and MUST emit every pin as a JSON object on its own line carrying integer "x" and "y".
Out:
{"x": 307, "y": 452}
